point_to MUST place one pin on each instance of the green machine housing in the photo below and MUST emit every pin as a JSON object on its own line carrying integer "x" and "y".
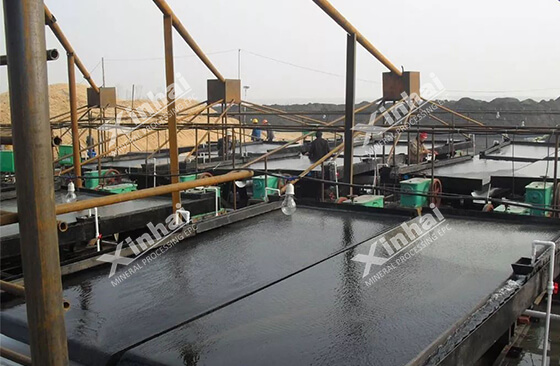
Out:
{"x": 415, "y": 185}
{"x": 368, "y": 201}
{"x": 539, "y": 194}
{"x": 259, "y": 186}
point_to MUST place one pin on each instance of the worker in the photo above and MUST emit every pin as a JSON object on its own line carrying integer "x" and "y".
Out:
{"x": 256, "y": 134}
{"x": 227, "y": 147}
{"x": 417, "y": 151}
{"x": 90, "y": 141}
{"x": 269, "y": 132}
{"x": 319, "y": 147}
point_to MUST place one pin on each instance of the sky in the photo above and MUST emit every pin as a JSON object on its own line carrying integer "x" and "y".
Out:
{"x": 292, "y": 52}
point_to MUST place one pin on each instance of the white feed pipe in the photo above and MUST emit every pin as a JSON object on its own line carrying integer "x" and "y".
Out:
{"x": 549, "y": 290}
{"x": 217, "y": 197}
{"x": 266, "y": 189}
{"x": 97, "y": 233}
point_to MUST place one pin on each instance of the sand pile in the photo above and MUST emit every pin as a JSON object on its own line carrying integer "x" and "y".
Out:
{"x": 59, "y": 105}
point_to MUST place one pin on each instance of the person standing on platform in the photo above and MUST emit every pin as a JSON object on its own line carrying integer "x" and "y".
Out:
{"x": 256, "y": 134}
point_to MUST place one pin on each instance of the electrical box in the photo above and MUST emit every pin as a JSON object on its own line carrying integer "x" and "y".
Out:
{"x": 107, "y": 97}
{"x": 415, "y": 185}
{"x": 228, "y": 91}
{"x": 368, "y": 201}
{"x": 259, "y": 186}
{"x": 539, "y": 194}
{"x": 394, "y": 85}
{"x": 7, "y": 164}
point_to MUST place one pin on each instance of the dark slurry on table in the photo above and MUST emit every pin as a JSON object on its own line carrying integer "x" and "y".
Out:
{"x": 328, "y": 315}
{"x": 197, "y": 275}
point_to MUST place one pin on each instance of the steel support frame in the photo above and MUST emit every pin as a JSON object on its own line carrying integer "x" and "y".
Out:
{"x": 350, "y": 116}
{"x": 50, "y": 20}
{"x": 175, "y": 22}
{"x": 555, "y": 188}
{"x": 27, "y": 73}
{"x": 348, "y": 27}
{"x": 74, "y": 118}
{"x": 171, "y": 117}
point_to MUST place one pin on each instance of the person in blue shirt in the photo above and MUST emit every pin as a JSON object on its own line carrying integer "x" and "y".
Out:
{"x": 256, "y": 134}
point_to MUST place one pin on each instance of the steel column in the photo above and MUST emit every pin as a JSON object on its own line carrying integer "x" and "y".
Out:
{"x": 350, "y": 114}
{"x": 555, "y": 188}
{"x": 171, "y": 117}
{"x": 74, "y": 119}
{"x": 27, "y": 73}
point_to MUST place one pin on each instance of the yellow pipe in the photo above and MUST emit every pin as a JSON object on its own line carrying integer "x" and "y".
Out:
{"x": 11, "y": 218}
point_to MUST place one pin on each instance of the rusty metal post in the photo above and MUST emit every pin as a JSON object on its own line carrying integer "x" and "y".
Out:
{"x": 350, "y": 116}
{"x": 171, "y": 117}
{"x": 29, "y": 102}
{"x": 74, "y": 119}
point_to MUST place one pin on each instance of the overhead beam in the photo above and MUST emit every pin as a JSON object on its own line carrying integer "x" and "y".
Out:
{"x": 166, "y": 10}
{"x": 453, "y": 112}
{"x": 50, "y": 20}
{"x": 348, "y": 27}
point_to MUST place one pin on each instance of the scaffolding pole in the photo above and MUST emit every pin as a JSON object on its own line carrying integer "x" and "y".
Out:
{"x": 29, "y": 102}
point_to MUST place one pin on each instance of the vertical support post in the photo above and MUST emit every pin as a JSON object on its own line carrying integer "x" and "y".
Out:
{"x": 350, "y": 102}
{"x": 171, "y": 118}
{"x": 209, "y": 136}
{"x": 265, "y": 172}
{"x": 196, "y": 144}
{"x": 555, "y": 188}
{"x": 433, "y": 156}
{"x": 323, "y": 183}
{"x": 74, "y": 118}
{"x": 29, "y": 100}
